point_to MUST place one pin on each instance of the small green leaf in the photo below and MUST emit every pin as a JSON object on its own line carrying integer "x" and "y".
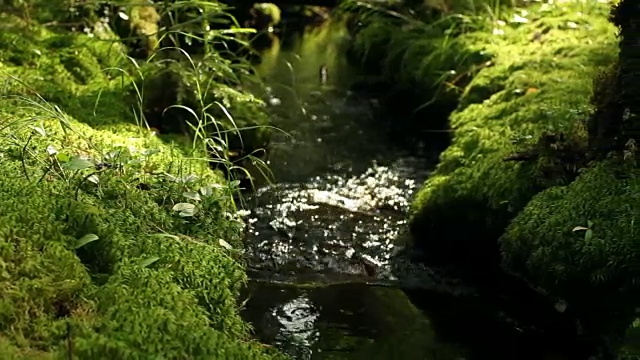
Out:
{"x": 235, "y": 183}
{"x": 589, "y": 224}
{"x": 185, "y": 209}
{"x": 225, "y": 244}
{"x": 78, "y": 163}
{"x": 62, "y": 157}
{"x": 192, "y": 196}
{"x": 146, "y": 262}
{"x": 206, "y": 191}
{"x": 588, "y": 235}
{"x": 85, "y": 240}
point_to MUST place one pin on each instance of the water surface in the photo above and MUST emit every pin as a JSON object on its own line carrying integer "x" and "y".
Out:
{"x": 323, "y": 240}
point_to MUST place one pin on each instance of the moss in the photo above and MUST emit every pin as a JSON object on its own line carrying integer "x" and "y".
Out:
{"x": 538, "y": 82}
{"x": 74, "y": 162}
{"x": 144, "y": 312}
{"x": 625, "y": 16}
{"x": 592, "y": 270}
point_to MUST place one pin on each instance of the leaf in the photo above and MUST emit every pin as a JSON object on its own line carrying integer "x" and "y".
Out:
{"x": 235, "y": 183}
{"x": 39, "y": 130}
{"x": 206, "y": 191}
{"x": 85, "y": 240}
{"x": 225, "y": 244}
{"x": 589, "y": 224}
{"x": 94, "y": 179}
{"x": 578, "y": 228}
{"x": 150, "y": 152}
{"x": 185, "y": 209}
{"x": 78, "y": 163}
{"x": 174, "y": 237}
{"x": 588, "y": 235}
{"x": 51, "y": 150}
{"x": 146, "y": 262}
{"x": 63, "y": 158}
{"x": 192, "y": 196}
{"x": 189, "y": 178}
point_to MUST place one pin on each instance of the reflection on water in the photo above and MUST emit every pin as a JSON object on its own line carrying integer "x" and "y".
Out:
{"x": 344, "y": 322}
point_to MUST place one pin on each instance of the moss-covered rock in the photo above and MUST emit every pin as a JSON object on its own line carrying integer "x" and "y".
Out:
{"x": 114, "y": 243}
{"x": 538, "y": 82}
{"x": 576, "y": 242}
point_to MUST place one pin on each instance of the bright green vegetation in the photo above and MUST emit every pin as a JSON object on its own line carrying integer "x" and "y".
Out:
{"x": 574, "y": 241}
{"x": 114, "y": 243}
{"x": 534, "y": 77}
{"x": 531, "y": 88}
{"x": 525, "y": 92}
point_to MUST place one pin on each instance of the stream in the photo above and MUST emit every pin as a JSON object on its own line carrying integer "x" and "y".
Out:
{"x": 324, "y": 241}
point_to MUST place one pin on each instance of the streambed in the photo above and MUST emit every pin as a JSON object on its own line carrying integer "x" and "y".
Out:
{"x": 324, "y": 242}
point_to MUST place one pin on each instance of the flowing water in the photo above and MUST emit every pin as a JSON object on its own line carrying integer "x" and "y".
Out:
{"x": 323, "y": 241}
{"x": 342, "y": 187}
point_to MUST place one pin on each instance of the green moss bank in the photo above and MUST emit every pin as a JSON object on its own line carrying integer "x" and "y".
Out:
{"x": 575, "y": 242}
{"x": 534, "y": 78}
{"x": 114, "y": 244}
{"x": 539, "y": 83}
{"x": 592, "y": 266}
{"x": 519, "y": 140}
